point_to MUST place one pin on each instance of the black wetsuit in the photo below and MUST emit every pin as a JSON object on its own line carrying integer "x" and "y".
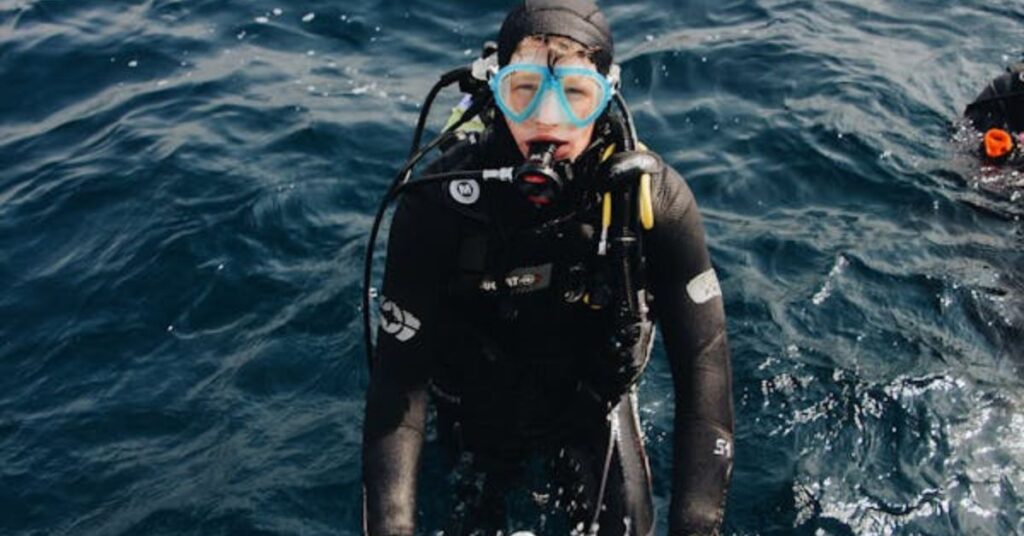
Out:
{"x": 490, "y": 310}
{"x": 1001, "y": 103}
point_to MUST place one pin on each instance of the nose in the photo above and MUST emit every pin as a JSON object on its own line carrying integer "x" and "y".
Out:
{"x": 549, "y": 111}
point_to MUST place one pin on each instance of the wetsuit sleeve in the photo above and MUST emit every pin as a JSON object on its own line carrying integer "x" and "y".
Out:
{"x": 689, "y": 308}
{"x": 396, "y": 401}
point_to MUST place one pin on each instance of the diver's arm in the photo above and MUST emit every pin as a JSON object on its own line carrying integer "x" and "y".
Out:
{"x": 396, "y": 401}
{"x": 391, "y": 452}
{"x": 692, "y": 318}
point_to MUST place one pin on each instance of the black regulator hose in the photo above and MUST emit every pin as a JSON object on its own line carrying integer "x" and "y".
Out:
{"x": 629, "y": 138}
{"x": 624, "y": 251}
{"x": 625, "y": 241}
{"x": 436, "y": 178}
{"x": 447, "y": 79}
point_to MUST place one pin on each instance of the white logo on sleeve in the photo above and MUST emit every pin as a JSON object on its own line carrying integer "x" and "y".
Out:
{"x": 723, "y": 448}
{"x": 704, "y": 287}
{"x": 466, "y": 192}
{"x": 394, "y": 321}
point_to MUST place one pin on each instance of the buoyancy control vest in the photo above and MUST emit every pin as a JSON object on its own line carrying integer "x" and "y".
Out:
{"x": 532, "y": 321}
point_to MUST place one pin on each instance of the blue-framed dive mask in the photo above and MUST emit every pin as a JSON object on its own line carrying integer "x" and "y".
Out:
{"x": 575, "y": 95}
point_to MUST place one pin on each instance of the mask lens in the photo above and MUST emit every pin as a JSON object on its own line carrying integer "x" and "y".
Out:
{"x": 583, "y": 93}
{"x": 519, "y": 89}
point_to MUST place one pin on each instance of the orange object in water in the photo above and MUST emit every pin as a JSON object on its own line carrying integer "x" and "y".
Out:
{"x": 998, "y": 143}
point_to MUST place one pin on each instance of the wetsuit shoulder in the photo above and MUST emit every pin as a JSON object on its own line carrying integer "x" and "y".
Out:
{"x": 460, "y": 196}
{"x": 672, "y": 197}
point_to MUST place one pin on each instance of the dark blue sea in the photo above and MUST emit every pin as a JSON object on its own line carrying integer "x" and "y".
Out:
{"x": 186, "y": 189}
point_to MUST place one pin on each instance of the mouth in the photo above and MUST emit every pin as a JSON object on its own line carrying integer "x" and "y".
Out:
{"x": 546, "y": 139}
{"x": 561, "y": 146}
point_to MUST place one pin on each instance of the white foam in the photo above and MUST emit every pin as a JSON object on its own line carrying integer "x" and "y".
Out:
{"x": 830, "y": 281}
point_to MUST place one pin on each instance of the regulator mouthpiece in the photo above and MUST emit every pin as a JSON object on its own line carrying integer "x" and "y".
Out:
{"x": 537, "y": 178}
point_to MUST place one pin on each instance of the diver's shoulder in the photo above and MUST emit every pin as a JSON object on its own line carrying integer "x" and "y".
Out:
{"x": 669, "y": 187}
{"x": 463, "y": 152}
{"x": 455, "y": 199}
{"x": 669, "y": 179}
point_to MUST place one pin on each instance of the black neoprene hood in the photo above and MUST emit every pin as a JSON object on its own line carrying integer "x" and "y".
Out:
{"x": 580, "y": 20}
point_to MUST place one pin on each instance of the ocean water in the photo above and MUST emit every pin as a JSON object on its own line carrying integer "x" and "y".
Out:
{"x": 186, "y": 187}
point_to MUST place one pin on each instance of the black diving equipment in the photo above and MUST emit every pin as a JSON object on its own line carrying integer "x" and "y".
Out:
{"x": 472, "y": 77}
{"x": 622, "y": 170}
{"x": 540, "y": 179}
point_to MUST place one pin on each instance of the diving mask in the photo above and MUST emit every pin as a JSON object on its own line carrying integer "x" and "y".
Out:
{"x": 575, "y": 95}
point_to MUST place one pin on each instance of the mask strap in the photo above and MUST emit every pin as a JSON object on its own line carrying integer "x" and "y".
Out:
{"x": 615, "y": 77}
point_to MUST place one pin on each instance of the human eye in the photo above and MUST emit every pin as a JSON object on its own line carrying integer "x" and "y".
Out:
{"x": 575, "y": 90}
{"x": 522, "y": 82}
{"x": 525, "y": 86}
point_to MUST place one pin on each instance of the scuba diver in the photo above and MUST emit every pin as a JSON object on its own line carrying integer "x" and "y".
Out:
{"x": 998, "y": 112}
{"x": 527, "y": 267}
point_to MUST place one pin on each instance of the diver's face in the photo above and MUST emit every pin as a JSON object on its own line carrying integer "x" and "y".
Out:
{"x": 548, "y": 123}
